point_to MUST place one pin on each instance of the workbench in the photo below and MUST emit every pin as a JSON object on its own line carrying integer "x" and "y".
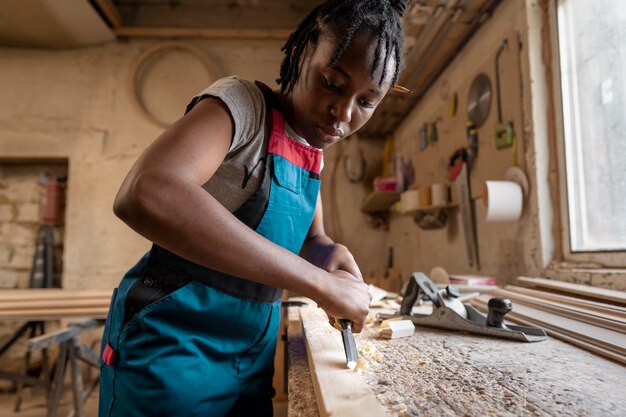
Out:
{"x": 446, "y": 373}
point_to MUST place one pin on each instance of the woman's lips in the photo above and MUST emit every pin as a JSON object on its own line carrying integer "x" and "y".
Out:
{"x": 330, "y": 134}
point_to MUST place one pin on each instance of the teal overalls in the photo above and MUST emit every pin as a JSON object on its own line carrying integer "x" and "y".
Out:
{"x": 184, "y": 340}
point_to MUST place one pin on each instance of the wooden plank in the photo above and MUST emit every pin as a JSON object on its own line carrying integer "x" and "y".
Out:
{"x": 50, "y": 314}
{"x": 564, "y": 299}
{"x": 588, "y": 316}
{"x": 556, "y": 333}
{"x": 618, "y": 297}
{"x": 52, "y": 294}
{"x": 202, "y": 33}
{"x": 339, "y": 390}
{"x": 55, "y": 304}
{"x": 110, "y": 12}
{"x": 604, "y": 338}
{"x": 302, "y": 401}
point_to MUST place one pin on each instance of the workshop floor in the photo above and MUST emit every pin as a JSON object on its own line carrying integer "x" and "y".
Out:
{"x": 34, "y": 406}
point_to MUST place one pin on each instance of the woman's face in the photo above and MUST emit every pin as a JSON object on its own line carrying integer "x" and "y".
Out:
{"x": 327, "y": 103}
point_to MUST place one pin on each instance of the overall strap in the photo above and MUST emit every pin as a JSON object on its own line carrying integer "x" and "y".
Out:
{"x": 270, "y": 98}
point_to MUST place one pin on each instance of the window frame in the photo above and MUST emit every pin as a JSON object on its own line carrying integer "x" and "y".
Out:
{"x": 598, "y": 259}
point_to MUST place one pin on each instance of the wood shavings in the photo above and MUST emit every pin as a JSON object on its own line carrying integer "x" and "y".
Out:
{"x": 367, "y": 349}
{"x": 370, "y": 352}
{"x": 363, "y": 364}
{"x": 370, "y": 321}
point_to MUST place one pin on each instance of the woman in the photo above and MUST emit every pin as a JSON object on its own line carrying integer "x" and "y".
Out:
{"x": 229, "y": 194}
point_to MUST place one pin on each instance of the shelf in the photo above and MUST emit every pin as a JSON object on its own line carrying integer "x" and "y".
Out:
{"x": 433, "y": 217}
{"x": 430, "y": 209}
{"x": 378, "y": 201}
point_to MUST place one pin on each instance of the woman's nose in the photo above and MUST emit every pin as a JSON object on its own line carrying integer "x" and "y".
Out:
{"x": 342, "y": 110}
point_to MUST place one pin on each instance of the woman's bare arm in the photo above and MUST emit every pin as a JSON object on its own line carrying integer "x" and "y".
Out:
{"x": 163, "y": 200}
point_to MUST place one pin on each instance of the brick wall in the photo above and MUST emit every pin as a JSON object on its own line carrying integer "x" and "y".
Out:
{"x": 19, "y": 220}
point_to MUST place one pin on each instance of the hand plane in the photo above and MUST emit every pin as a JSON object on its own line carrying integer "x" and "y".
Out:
{"x": 450, "y": 313}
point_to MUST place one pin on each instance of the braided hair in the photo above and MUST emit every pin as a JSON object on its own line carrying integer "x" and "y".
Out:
{"x": 347, "y": 18}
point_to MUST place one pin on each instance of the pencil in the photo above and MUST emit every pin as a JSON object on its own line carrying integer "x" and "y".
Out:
{"x": 400, "y": 89}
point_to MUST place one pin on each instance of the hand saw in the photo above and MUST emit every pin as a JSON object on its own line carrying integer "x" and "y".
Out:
{"x": 459, "y": 173}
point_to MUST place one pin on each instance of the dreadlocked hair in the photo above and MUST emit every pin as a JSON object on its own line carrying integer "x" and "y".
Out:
{"x": 347, "y": 18}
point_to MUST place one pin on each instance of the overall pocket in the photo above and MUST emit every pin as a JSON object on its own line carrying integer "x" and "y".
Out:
{"x": 148, "y": 289}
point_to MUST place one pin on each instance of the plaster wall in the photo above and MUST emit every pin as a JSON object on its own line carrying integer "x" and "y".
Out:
{"x": 77, "y": 104}
{"x": 506, "y": 250}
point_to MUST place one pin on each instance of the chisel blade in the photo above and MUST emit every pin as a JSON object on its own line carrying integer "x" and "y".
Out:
{"x": 349, "y": 344}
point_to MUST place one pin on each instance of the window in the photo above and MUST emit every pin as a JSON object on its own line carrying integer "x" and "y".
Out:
{"x": 592, "y": 58}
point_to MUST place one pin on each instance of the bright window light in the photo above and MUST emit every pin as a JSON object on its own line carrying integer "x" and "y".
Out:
{"x": 592, "y": 43}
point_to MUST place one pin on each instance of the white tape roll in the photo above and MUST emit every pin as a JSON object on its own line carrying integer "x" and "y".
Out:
{"x": 503, "y": 200}
{"x": 409, "y": 200}
{"x": 440, "y": 194}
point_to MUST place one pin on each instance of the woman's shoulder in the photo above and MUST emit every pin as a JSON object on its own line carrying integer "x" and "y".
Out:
{"x": 232, "y": 90}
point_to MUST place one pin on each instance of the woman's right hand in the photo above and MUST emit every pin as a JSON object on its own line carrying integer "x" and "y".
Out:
{"x": 347, "y": 297}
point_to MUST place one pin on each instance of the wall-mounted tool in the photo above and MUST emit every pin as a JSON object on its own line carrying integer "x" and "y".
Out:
{"x": 471, "y": 133}
{"x": 505, "y": 135}
{"x": 453, "y": 104}
{"x": 422, "y": 137}
{"x": 433, "y": 137}
{"x": 459, "y": 174}
{"x": 479, "y": 100}
{"x": 450, "y": 313}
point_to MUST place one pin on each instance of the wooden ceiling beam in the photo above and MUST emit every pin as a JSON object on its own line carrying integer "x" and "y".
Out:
{"x": 110, "y": 12}
{"x": 202, "y": 33}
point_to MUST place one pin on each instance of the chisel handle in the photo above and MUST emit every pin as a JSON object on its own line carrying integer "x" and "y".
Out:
{"x": 345, "y": 324}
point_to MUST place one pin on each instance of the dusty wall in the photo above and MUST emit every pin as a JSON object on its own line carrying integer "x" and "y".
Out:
{"x": 76, "y": 104}
{"x": 505, "y": 249}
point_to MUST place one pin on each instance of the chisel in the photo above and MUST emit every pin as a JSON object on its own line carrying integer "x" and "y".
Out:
{"x": 349, "y": 345}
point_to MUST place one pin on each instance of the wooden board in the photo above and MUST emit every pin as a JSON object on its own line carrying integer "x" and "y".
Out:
{"x": 54, "y": 304}
{"x": 472, "y": 375}
{"x": 52, "y": 294}
{"x": 608, "y": 321}
{"x": 50, "y": 314}
{"x": 618, "y": 297}
{"x": 564, "y": 299}
{"x": 554, "y": 332}
{"x": 339, "y": 391}
{"x": 604, "y": 338}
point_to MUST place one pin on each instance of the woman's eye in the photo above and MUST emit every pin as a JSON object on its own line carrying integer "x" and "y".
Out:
{"x": 366, "y": 104}
{"x": 331, "y": 86}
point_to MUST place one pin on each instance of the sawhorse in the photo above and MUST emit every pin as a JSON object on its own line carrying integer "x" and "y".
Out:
{"x": 72, "y": 352}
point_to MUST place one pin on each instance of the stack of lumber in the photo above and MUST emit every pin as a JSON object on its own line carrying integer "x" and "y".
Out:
{"x": 53, "y": 303}
{"x": 591, "y": 318}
